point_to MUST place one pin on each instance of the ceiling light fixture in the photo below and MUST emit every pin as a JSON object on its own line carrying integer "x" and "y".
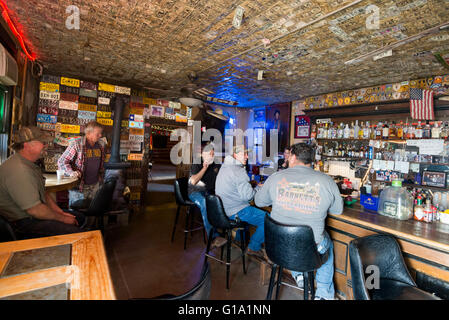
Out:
{"x": 11, "y": 25}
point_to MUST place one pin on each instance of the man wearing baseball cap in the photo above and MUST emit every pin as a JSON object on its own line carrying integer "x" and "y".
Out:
{"x": 23, "y": 201}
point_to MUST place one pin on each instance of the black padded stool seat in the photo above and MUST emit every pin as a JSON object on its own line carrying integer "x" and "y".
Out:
{"x": 219, "y": 220}
{"x": 292, "y": 247}
{"x": 395, "y": 281}
{"x": 395, "y": 290}
{"x": 182, "y": 200}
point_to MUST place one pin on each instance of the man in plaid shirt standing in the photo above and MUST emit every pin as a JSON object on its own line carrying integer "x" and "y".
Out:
{"x": 84, "y": 159}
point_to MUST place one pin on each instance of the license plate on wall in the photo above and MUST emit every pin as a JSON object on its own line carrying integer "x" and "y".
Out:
{"x": 52, "y": 87}
{"x": 69, "y": 128}
{"x": 106, "y": 87}
{"x": 46, "y": 118}
{"x": 70, "y": 82}
{"x": 49, "y": 95}
{"x": 70, "y": 105}
{"x": 87, "y": 107}
{"x": 106, "y": 122}
{"x": 88, "y": 115}
{"x": 104, "y": 114}
{"x": 136, "y": 124}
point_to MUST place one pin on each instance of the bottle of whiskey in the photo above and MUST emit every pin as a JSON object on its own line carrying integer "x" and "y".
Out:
{"x": 392, "y": 134}
{"x": 419, "y": 131}
{"x": 426, "y": 134}
{"x": 351, "y": 130}
{"x": 444, "y": 131}
{"x": 400, "y": 131}
{"x": 436, "y": 131}
{"x": 385, "y": 131}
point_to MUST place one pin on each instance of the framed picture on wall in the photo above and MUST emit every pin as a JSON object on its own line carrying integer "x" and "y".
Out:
{"x": 259, "y": 115}
{"x": 157, "y": 111}
{"x": 302, "y": 127}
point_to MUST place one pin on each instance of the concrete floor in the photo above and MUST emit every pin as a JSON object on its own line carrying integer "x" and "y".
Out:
{"x": 144, "y": 262}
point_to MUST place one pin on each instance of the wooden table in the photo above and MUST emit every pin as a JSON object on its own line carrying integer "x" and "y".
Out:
{"x": 52, "y": 184}
{"x": 72, "y": 266}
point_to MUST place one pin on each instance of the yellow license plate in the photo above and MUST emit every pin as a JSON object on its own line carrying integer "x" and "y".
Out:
{"x": 104, "y": 114}
{"x": 122, "y": 90}
{"x": 125, "y": 123}
{"x": 106, "y": 87}
{"x": 87, "y": 107}
{"x": 70, "y": 82}
{"x": 105, "y": 122}
{"x": 135, "y": 131}
{"x": 135, "y": 157}
{"x": 138, "y": 111}
{"x": 52, "y": 87}
{"x": 69, "y": 128}
{"x": 149, "y": 101}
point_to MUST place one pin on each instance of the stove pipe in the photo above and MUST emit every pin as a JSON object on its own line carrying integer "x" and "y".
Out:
{"x": 118, "y": 102}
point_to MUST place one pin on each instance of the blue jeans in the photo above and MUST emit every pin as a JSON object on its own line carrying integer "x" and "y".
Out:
{"x": 256, "y": 217}
{"x": 325, "y": 274}
{"x": 200, "y": 201}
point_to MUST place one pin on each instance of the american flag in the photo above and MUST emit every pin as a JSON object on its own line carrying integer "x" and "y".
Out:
{"x": 421, "y": 104}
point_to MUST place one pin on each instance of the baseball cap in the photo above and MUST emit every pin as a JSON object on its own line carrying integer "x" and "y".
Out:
{"x": 27, "y": 134}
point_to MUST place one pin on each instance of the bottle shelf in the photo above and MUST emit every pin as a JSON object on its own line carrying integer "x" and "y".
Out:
{"x": 411, "y": 185}
{"x": 380, "y": 140}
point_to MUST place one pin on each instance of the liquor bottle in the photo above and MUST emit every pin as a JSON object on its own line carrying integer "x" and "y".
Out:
{"x": 410, "y": 131}
{"x": 428, "y": 212}
{"x": 360, "y": 132}
{"x": 351, "y": 130}
{"x": 366, "y": 131}
{"x": 340, "y": 131}
{"x": 392, "y": 134}
{"x": 444, "y": 131}
{"x": 385, "y": 131}
{"x": 419, "y": 210}
{"x": 356, "y": 130}
{"x": 426, "y": 134}
{"x": 436, "y": 131}
{"x": 346, "y": 132}
{"x": 400, "y": 131}
{"x": 333, "y": 131}
{"x": 419, "y": 131}
{"x": 325, "y": 131}
{"x": 379, "y": 131}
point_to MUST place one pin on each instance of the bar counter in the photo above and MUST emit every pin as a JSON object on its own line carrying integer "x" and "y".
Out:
{"x": 425, "y": 247}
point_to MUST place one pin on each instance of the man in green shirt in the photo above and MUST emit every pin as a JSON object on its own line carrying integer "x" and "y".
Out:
{"x": 23, "y": 201}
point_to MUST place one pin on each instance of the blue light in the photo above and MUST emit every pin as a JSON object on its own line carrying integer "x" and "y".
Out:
{"x": 231, "y": 120}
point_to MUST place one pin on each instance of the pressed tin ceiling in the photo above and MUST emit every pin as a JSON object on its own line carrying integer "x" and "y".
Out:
{"x": 156, "y": 44}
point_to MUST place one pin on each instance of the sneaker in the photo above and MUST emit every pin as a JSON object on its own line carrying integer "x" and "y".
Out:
{"x": 218, "y": 242}
{"x": 300, "y": 281}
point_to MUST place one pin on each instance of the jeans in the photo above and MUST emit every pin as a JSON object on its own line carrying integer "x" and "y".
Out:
{"x": 199, "y": 199}
{"x": 34, "y": 228}
{"x": 256, "y": 217}
{"x": 325, "y": 274}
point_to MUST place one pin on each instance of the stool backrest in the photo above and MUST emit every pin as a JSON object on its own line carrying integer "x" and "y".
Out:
{"x": 6, "y": 231}
{"x": 215, "y": 212}
{"x": 291, "y": 246}
{"x": 381, "y": 251}
{"x": 181, "y": 191}
{"x": 102, "y": 200}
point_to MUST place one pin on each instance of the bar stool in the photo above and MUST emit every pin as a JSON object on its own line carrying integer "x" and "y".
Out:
{"x": 292, "y": 247}
{"x": 219, "y": 220}
{"x": 383, "y": 252}
{"x": 182, "y": 200}
{"x": 99, "y": 205}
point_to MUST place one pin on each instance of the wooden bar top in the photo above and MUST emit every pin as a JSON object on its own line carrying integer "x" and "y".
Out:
{"x": 435, "y": 234}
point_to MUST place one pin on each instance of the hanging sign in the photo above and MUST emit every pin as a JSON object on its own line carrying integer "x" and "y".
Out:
{"x": 49, "y": 95}
{"x": 46, "y": 118}
{"x": 52, "y": 87}
{"x": 106, "y": 122}
{"x": 68, "y": 105}
{"x": 70, "y": 82}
